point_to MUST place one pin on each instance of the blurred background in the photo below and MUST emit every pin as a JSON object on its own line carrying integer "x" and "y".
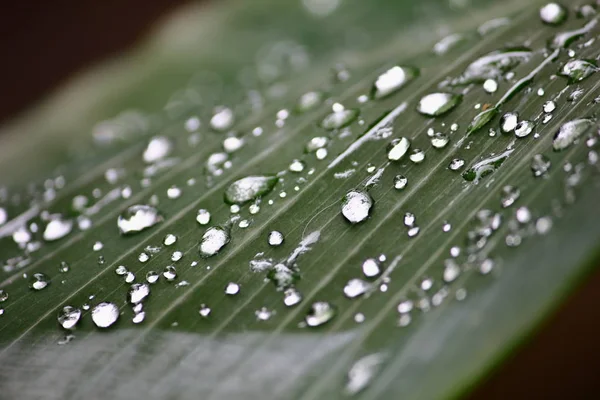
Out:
{"x": 44, "y": 44}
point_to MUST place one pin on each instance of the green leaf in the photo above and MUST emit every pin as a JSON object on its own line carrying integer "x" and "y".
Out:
{"x": 144, "y": 263}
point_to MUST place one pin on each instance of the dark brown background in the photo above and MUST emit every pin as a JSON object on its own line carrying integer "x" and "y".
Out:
{"x": 43, "y": 44}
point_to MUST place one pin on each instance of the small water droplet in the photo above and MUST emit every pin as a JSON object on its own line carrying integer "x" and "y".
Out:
{"x": 509, "y": 122}
{"x": 275, "y": 238}
{"x": 490, "y": 85}
{"x": 152, "y": 276}
{"x": 291, "y": 297}
{"x": 417, "y": 156}
{"x": 204, "y": 310}
{"x": 569, "y": 132}
{"x": 158, "y": 148}
{"x": 553, "y": 14}
{"x": 456, "y": 164}
{"x": 68, "y": 317}
{"x": 320, "y": 313}
{"x": 169, "y": 239}
{"x": 213, "y": 240}
{"x": 232, "y": 289}
{"x": 549, "y": 106}
{"x": 400, "y": 182}
{"x": 393, "y": 80}
{"x": 437, "y": 104}
{"x": 38, "y": 281}
{"x": 143, "y": 257}
{"x": 523, "y": 215}
{"x": 176, "y": 256}
{"x": 543, "y": 225}
{"x": 121, "y": 270}
{"x": 297, "y": 166}
{"x": 356, "y": 206}
{"x": 355, "y": 287}
{"x": 137, "y": 218}
{"x": 362, "y": 373}
{"x": 263, "y": 314}
{"x": 57, "y": 228}
{"x": 398, "y": 148}
{"x": 414, "y": 231}
{"x": 524, "y": 128}
{"x": 170, "y": 273}
{"x": 249, "y": 188}
{"x": 3, "y": 296}
{"x": 540, "y": 164}
{"x": 409, "y": 219}
{"x": 232, "y": 144}
{"x": 509, "y": 195}
{"x": 64, "y": 267}
{"x": 97, "y": 246}
{"x": 222, "y": 119}
{"x": 138, "y": 292}
{"x": 129, "y": 277}
{"x": 339, "y": 118}
{"x": 446, "y": 226}
{"x": 173, "y": 192}
{"x": 439, "y": 140}
{"x": 451, "y": 270}
{"x": 105, "y": 314}
{"x": 309, "y": 101}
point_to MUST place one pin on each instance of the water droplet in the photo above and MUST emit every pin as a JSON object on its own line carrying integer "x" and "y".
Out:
{"x": 232, "y": 288}
{"x": 170, "y": 273}
{"x": 509, "y": 122}
{"x": 316, "y": 143}
{"x": 339, "y": 118}
{"x": 176, "y": 256}
{"x": 222, "y": 119}
{"x": 173, "y": 192}
{"x": 540, "y": 164}
{"x": 493, "y": 65}
{"x": 213, "y": 240}
{"x": 297, "y": 166}
{"x": 451, "y": 270}
{"x": 409, "y": 219}
{"x": 203, "y": 217}
{"x": 362, "y": 373}
{"x": 400, "y": 182}
{"x": 490, "y": 85}
{"x": 356, "y": 206}
{"x": 569, "y": 132}
{"x": 152, "y": 276}
{"x": 121, "y": 270}
{"x": 309, "y": 101}
{"x": 57, "y": 228}
{"x": 249, "y": 188}
{"x": 3, "y": 296}
{"x": 456, "y": 164}
{"x": 485, "y": 167}
{"x": 38, "y": 281}
{"x": 549, "y": 106}
{"x": 263, "y": 314}
{"x": 64, "y": 267}
{"x": 355, "y": 288}
{"x": 371, "y": 268}
{"x": 105, "y": 314}
{"x": 524, "y": 128}
{"x": 320, "y": 313}
{"x": 439, "y": 140}
{"x": 137, "y": 218}
{"x": 553, "y": 14}
{"x": 414, "y": 231}
{"x": 291, "y": 297}
{"x": 143, "y": 257}
{"x": 282, "y": 276}
{"x": 543, "y": 225}
{"x": 139, "y": 317}
{"x": 138, "y": 292}
{"x": 275, "y": 238}
{"x": 509, "y": 195}
{"x": 417, "y": 156}
{"x": 68, "y": 317}
{"x": 204, "y": 310}
{"x": 392, "y": 80}
{"x": 232, "y": 144}
{"x": 398, "y": 148}
{"x": 448, "y": 42}
{"x": 523, "y": 215}
{"x": 564, "y": 39}
{"x": 578, "y": 70}
{"x": 436, "y": 104}
{"x": 129, "y": 277}
{"x": 158, "y": 148}
{"x": 169, "y": 239}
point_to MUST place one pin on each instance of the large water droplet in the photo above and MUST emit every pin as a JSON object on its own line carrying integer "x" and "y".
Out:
{"x": 105, "y": 314}
{"x": 137, "y": 218}
{"x": 553, "y": 14}
{"x": 213, "y": 240}
{"x": 356, "y": 206}
{"x": 38, "y": 281}
{"x": 436, "y": 104}
{"x": 158, "y": 148}
{"x": 569, "y": 133}
{"x": 393, "y": 80}
{"x": 138, "y": 292}
{"x": 320, "y": 313}
{"x": 578, "y": 70}
{"x": 249, "y": 188}
{"x": 398, "y": 148}
{"x": 68, "y": 317}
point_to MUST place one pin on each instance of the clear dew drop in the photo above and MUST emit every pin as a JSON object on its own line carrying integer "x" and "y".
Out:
{"x": 485, "y": 167}
{"x": 139, "y": 317}
{"x": 509, "y": 122}
{"x": 173, "y": 192}
{"x": 339, "y": 118}
{"x": 356, "y": 206}
{"x": 232, "y": 289}
{"x": 105, "y": 314}
{"x": 316, "y": 143}
{"x": 493, "y": 65}
{"x": 490, "y": 85}
{"x": 222, "y": 119}
{"x": 275, "y": 238}
{"x": 451, "y": 270}
{"x": 263, "y": 314}
{"x": 152, "y": 276}
{"x": 553, "y": 14}
{"x": 38, "y": 281}
{"x": 158, "y": 148}
{"x": 409, "y": 219}
{"x": 176, "y": 256}
{"x": 57, "y": 228}
{"x": 524, "y": 128}
{"x": 297, "y": 166}
{"x": 320, "y": 313}
{"x": 129, "y": 277}
{"x": 446, "y": 226}
{"x": 392, "y": 80}
{"x": 3, "y": 296}
{"x": 309, "y": 101}
{"x": 400, "y": 182}
{"x": 170, "y": 273}
{"x": 291, "y": 297}
{"x": 362, "y": 373}
{"x": 121, "y": 270}
{"x": 508, "y": 195}
{"x": 213, "y": 240}
{"x": 417, "y": 156}
{"x": 138, "y": 292}
{"x": 439, "y": 140}
{"x": 169, "y": 239}
{"x": 371, "y": 267}
{"x": 68, "y": 317}
{"x": 456, "y": 164}
{"x": 413, "y": 231}
{"x": 64, "y": 267}
{"x": 137, "y": 218}
{"x": 143, "y": 257}
{"x": 249, "y": 188}
{"x": 232, "y": 144}
{"x": 523, "y": 215}
{"x": 203, "y": 216}
{"x": 549, "y": 106}
{"x": 437, "y": 104}
{"x": 578, "y": 70}
{"x": 204, "y": 310}
{"x": 398, "y": 148}
{"x": 540, "y": 164}
{"x": 356, "y": 287}
{"x": 569, "y": 132}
